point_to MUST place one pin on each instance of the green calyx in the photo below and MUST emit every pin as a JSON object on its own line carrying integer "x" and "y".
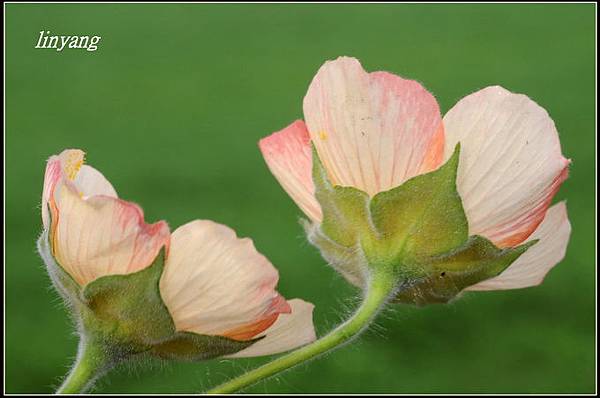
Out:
{"x": 448, "y": 274}
{"x": 416, "y": 232}
{"x": 126, "y": 316}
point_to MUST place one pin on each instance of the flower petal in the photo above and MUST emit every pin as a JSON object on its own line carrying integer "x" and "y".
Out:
{"x": 102, "y": 235}
{"x": 511, "y": 163}
{"x": 373, "y": 131}
{"x": 91, "y": 182}
{"x": 289, "y": 157}
{"x": 290, "y": 331}
{"x": 533, "y": 265}
{"x": 217, "y": 284}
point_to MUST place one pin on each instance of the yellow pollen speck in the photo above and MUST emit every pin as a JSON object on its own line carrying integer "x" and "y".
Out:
{"x": 323, "y": 135}
{"x": 73, "y": 163}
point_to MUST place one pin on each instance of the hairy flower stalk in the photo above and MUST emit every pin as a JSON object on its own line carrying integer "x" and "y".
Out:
{"x": 433, "y": 206}
{"x": 380, "y": 288}
{"x": 134, "y": 289}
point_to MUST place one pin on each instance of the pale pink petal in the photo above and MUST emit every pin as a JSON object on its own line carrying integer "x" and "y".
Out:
{"x": 217, "y": 284}
{"x": 533, "y": 265}
{"x": 91, "y": 182}
{"x": 288, "y": 154}
{"x": 510, "y": 163}
{"x": 102, "y": 235}
{"x": 373, "y": 131}
{"x": 288, "y": 332}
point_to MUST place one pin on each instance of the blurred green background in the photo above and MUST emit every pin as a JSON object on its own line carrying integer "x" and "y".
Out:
{"x": 170, "y": 109}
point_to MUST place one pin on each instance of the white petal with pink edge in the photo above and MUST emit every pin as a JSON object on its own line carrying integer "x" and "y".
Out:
{"x": 511, "y": 163}
{"x": 373, "y": 131}
{"x": 215, "y": 283}
{"x": 288, "y": 332}
{"x": 288, "y": 154}
{"x": 533, "y": 265}
{"x": 102, "y": 235}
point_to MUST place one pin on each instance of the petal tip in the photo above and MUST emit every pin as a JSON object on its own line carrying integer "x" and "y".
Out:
{"x": 347, "y": 59}
{"x": 279, "y": 139}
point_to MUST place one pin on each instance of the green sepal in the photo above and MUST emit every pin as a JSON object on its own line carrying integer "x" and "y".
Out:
{"x": 346, "y": 260}
{"x": 129, "y": 307}
{"x": 422, "y": 217}
{"x": 66, "y": 286}
{"x": 417, "y": 232}
{"x": 345, "y": 209}
{"x": 196, "y": 347}
{"x": 448, "y": 274}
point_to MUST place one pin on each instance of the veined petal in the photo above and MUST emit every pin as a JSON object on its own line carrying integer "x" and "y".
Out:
{"x": 217, "y": 284}
{"x": 533, "y": 265}
{"x": 289, "y": 157}
{"x": 373, "y": 131}
{"x": 288, "y": 332}
{"x": 102, "y": 235}
{"x": 510, "y": 166}
{"x": 93, "y": 233}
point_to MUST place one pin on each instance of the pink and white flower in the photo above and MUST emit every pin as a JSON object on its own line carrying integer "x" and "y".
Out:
{"x": 213, "y": 283}
{"x": 374, "y": 131}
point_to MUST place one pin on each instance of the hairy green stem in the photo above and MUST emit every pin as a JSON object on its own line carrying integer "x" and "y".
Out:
{"x": 90, "y": 364}
{"x": 380, "y": 288}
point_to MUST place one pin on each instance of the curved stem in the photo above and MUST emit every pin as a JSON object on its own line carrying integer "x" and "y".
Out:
{"x": 90, "y": 364}
{"x": 380, "y": 288}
